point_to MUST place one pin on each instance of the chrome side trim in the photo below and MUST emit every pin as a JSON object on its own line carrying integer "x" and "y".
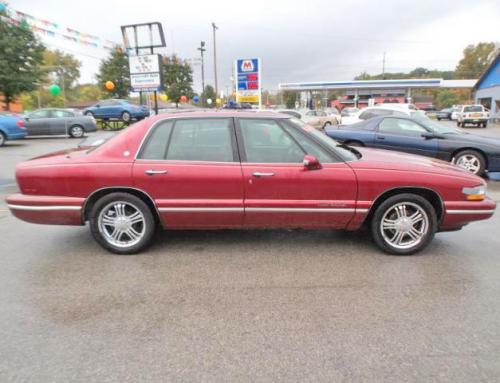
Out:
{"x": 298, "y": 210}
{"x": 470, "y": 211}
{"x": 201, "y": 209}
{"x": 362, "y": 210}
{"x": 43, "y": 208}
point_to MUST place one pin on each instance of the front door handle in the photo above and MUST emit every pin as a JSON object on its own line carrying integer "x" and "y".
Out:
{"x": 380, "y": 137}
{"x": 259, "y": 174}
{"x": 151, "y": 172}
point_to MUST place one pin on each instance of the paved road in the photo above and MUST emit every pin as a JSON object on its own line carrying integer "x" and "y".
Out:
{"x": 244, "y": 306}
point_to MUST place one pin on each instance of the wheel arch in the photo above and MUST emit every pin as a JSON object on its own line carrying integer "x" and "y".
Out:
{"x": 480, "y": 151}
{"x": 99, "y": 193}
{"x": 429, "y": 194}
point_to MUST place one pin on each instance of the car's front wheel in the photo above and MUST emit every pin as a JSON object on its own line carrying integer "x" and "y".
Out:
{"x": 122, "y": 223}
{"x": 471, "y": 161}
{"x": 126, "y": 116}
{"x": 404, "y": 224}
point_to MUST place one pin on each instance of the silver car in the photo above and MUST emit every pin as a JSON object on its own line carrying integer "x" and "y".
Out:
{"x": 53, "y": 121}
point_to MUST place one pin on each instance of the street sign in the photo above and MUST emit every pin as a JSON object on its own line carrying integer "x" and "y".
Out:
{"x": 145, "y": 74}
{"x": 248, "y": 88}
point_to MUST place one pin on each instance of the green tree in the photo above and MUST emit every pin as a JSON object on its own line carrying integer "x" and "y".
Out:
{"x": 64, "y": 68}
{"x": 115, "y": 68}
{"x": 289, "y": 98}
{"x": 20, "y": 57}
{"x": 476, "y": 59}
{"x": 89, "y": 92}
{"x": 177, "y": 78}
{"x": 444, "y": 98}
{"x": 209, "y": 93}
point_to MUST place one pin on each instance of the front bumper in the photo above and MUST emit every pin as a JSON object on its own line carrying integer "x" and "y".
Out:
{"x": 460, "y": 213}
{"x": 48, "y": 210}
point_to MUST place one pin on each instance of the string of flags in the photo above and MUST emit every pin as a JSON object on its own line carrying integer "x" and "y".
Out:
{"x": 52, "y": 29}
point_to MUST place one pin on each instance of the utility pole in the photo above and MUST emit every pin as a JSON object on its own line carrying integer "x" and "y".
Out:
{"x": 215, "y": 27}
{"x": 383, "y": 67}
{"x": 202, "y": 50}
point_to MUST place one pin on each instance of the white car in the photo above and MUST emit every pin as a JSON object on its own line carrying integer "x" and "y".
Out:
{"x": 474, "y": 115}
{"x": 380, "y": 110}
{"x": 315, "y": 118}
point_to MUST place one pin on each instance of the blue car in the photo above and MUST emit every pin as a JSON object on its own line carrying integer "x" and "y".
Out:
{"x": 11, "y": 127}
{"x": 117, "y": 109}
{"x": 423, "y": 136}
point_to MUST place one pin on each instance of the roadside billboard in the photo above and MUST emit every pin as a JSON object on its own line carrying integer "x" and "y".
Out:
{"x": 145, "y": 73}
{"x": 248, "y": 88}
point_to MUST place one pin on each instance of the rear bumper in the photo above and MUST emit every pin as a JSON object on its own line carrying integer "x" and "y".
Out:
{"x": 47, "y": 209}
{"x": 17, "y": 135}
{"x": 460, "y": 213}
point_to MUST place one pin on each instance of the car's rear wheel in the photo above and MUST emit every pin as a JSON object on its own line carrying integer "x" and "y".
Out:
{"x": 76, "y": 131}
{"x": 2, "y": 139}
{"x": 404, "y": 224}
{"x": 122, "y": 223}
{"x": 126, "y": 116}
{"x": 471, "y": 161}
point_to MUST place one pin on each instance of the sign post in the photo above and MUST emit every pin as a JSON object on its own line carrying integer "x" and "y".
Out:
{"x": 248, "y": 77}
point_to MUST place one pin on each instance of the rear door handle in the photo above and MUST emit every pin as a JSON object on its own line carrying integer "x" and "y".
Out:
{"x": 259, "y": 174}
{"x": 151, "y": 172}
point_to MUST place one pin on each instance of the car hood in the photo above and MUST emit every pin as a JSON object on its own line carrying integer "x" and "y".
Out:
{"x": 474, "y": 138}
{"x": 391, "y": 160}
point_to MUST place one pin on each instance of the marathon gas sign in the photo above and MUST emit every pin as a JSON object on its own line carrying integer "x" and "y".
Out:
{"x": 248, "y": 80}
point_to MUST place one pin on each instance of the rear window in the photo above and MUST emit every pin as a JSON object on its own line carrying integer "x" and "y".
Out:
{"x": 474, "y": 108}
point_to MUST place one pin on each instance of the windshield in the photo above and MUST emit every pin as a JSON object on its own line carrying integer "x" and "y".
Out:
{"x": 436, "y": 127}
{"x": 346, "y": 154}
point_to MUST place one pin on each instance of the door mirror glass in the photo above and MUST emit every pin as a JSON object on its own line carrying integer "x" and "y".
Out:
{"x": 311, "y": 163}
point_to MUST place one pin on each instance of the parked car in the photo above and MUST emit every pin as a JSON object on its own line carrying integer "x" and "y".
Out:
{"x": 444, "y": 114}
{"x": 455, "y": 109}
{"x": 53, "y": 121}
{"x": 349, "y": 112}
{"x": 423, "y": 136}
{"x": 236, "y": 169}
{"x": 316, "y": 118}
{"x": 117, "y": 109}
{"x": 382, "y": 110}
{"x": 11, "y": 127}
{"x": 473, "y": 115}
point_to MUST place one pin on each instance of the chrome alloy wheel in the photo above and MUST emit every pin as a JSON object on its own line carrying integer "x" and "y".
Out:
{"x": 121, "y": 224}
{"x": 468, "y": 162}
{"x": 77, "y": 131}
{"x": 404, "y": 225}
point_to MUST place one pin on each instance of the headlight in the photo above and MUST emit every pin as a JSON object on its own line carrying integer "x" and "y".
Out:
{"x": 475, "y": 193}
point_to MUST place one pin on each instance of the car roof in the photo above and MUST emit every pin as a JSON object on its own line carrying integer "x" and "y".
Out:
{"x": 241, "y": 113}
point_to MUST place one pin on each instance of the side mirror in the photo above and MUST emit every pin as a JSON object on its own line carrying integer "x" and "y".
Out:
{"x": 98, "y": 106}
{"x": 311, "y": 163}
{"x": 428, "y": 135}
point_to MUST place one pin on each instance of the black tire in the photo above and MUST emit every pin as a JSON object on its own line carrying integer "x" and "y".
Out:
{"x": 479, "y": 156}
{"x": 3, "y": 139}
{"x": 484, "y": 124}
{"x": 428, "y": 226}
{"x": 439, "y": 118}
{"x": 89, "y": 114}
{"x": 125, "y": 116}
{"x": 76, "y": 131}
{"x": 147, "y": 225}
{"x": 458, "y": 124}
{"x": 354, "y": 143}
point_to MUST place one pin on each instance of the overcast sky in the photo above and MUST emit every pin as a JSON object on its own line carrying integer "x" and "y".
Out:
{"x": 308, "y": 40}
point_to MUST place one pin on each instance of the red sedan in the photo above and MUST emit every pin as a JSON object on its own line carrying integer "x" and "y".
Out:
{"x": 219, "y": 170}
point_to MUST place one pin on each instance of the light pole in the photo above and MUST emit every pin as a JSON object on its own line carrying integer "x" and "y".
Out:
{"x": 202, "y": 50}
{"x": 61, "y": 68}
{"x": 215, "y": 27}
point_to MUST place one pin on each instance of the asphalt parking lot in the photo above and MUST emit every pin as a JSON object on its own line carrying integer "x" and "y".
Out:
{"x": 244, "y": 305}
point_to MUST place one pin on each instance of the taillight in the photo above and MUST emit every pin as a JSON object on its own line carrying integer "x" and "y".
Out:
{"x": 20, "y": 123}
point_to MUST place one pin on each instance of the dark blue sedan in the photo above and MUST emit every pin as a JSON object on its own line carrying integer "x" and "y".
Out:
{"x": 11, "y": 127}
{"x": 423, "y": 136}
{"x": 117, "y": 109}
